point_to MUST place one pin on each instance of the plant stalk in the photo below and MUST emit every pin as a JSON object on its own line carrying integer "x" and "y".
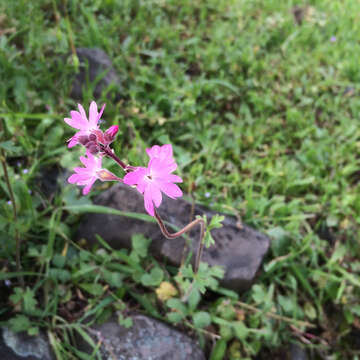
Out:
{"x": 188, "y": 227}
{"x": 110, "y": 154}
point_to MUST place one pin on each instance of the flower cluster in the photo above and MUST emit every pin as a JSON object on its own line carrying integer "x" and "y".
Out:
{"x": 150, "y": 181}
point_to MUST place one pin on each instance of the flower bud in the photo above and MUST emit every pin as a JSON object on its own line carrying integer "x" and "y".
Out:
{"x": 97, "y": 136}
{"x": 93, "y": 147}
{"x": 105, "y": 175}
{"x": 110, "y": 133}
{"x": 83, "y": 139}
{"x": 92, "y": 137}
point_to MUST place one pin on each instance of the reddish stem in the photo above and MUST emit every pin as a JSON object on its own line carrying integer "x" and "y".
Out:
{"x": 109, "y": 153}
{"x": 188, "y": 227}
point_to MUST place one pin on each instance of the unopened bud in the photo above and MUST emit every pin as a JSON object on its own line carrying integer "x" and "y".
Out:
{"x": 83, "y": 139}
{"x": 110, "y": 133}
{"x": 105, "y": 175}
{"x": 97, "y": 136}
{"x": 92, "y": 137}
{"x": 93, "y": 147}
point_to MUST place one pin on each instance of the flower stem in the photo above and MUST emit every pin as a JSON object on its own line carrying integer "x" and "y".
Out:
{"x": 110, "y": 154}
{"x": 188, "y": 227}
{"x": 12, "y": 198}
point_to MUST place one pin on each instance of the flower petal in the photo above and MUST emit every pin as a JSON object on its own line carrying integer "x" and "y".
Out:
{"x": 160, "y": 168}
{"x": 100, "y": 113}
{"x": 73, "y": 141}
{"x": 167, "y": 150}
{"x": 73, "y": 178}
{"x": 171, "y": 190}
{"x": 93, "y": 114}
{"x": 155, "y": 193}
{"x": 135, "y": 177}
{"x": 80, "y": 122}
{"x": 171, "y": 178}
{"x": 82, "y": 112}
{"x": 74, "y": 123}
{"x": 87, "y": 188}
{"x": 149, "y": 206}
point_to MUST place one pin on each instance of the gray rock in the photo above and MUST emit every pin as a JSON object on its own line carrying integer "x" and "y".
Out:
{"x": 238, "y": 249}
{"x": 297, "y": 352}
{"x": 146, "y": 339}
{"x": 20, "y": 346}
{"x": 94, "y": 65}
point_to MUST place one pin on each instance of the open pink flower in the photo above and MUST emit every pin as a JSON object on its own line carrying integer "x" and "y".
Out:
{"x": 79, "y": 121}
{"x": 90, "y": 173}
{"x": 154, "y": 179}
{"x": 164, "y": 152}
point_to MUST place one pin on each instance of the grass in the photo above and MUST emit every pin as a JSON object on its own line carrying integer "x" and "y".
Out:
{"x": 263, "y": 115}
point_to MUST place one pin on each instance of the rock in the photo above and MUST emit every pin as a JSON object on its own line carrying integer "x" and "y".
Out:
{"x": 238, "y": 249}
{"x": 95, "y": 65}
{"x": 51, "y": 180}
{"x": 146, "y": 339}
{"x": 296, "y": 352}
{"x": 20, "y": 346}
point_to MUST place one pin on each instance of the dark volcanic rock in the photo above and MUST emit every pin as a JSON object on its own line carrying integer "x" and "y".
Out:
{"x": 20, "y": 346}
{"x": 145, "y": 339}
{"x": 95, "y": 65}
{"x": 238, "y": 249}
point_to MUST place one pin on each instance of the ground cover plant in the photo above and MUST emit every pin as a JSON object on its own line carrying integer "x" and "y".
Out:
{"x": 260, "y": 101}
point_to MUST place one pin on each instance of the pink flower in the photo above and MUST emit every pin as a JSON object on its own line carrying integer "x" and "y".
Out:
{"x": 90, "y": 173}
{"x": 79, "y": 121}
{"x": 156, "y": 178}
{"x": 164, "y": 152}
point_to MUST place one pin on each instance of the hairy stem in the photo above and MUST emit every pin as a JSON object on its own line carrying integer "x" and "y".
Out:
{"x": 12, "y": 199}
{"x": 188, "y": 227}
{"x": 110, "y": 154}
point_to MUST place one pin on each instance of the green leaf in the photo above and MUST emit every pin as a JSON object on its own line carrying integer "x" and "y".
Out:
{"x": 93, "y": 289}
{"x": 59, "y": 260}
{"x": 216, "y": 222}
{"x": 17, "y": 296}
{"x": 113, "y": 278}
{"x": 201, "y": 319}
{"x": 19, "y": 323}
{"x": 280, "y": 240}
{"x": 29, "y": 301}
{"x": 355, "y": 309}
{"x": 241, "y": 331}
{"x": 9, "y": 146}
{"x": 286, "y": 303}
{"x": 140, "y": 244}
{"x": 154, "y": 278}
{"x": 98, "y": 209}
{"x": 177, "y": 304}
{"x": 194, "y": 299}
{"x": 60, "y": 274}
{"x": 175, "y": 317}
{"x": 219, "y": 350}
{"x": 33, "y": 331}
{"x": 310, "y": 310}
{"x": 126, "y": 322}
{"x": 209, "y": 240}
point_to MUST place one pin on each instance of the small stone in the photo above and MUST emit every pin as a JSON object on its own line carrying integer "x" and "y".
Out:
{"x": 21, "y": 346}
{"x": 95, "y": 64}
{"x": 146, "y": 339}
{"x": 240, "y": 250}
